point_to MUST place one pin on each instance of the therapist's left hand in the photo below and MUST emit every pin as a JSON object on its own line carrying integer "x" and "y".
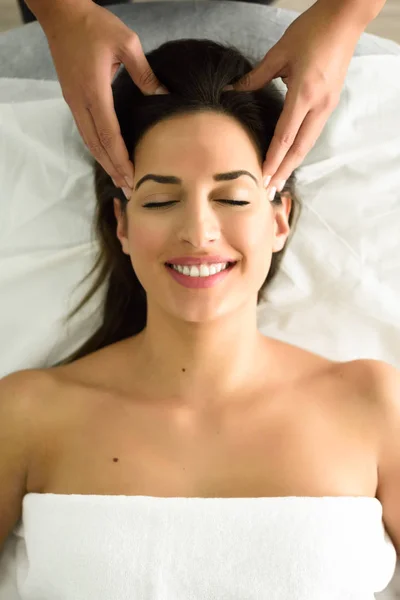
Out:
{"x": 312, "y": 58}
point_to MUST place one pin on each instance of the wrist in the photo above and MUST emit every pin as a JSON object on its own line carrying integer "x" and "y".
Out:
{"x": 356, "y": 12}
{"x": 52, "y": 12}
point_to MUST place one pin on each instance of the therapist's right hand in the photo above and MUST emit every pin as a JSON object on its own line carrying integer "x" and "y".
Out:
{"x": 88, "y": 44}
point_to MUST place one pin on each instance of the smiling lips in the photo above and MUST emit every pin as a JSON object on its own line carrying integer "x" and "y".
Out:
{"x": 200, "y": 276}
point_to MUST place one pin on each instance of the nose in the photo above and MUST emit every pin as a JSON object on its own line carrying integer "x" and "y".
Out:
{"x": 199, "y": 225}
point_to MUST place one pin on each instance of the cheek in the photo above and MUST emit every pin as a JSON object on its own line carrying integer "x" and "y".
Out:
{"x": 255, "y": 233}
{"x": 145, "y": 248}
{"x": 146, "y": 242}
{"x": 257, "y": 238}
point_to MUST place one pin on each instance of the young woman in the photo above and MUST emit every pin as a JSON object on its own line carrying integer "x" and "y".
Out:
{"x": 177, "y": 394}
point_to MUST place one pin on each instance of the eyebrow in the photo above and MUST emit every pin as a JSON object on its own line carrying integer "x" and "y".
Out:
{"x": 174, "y": 180}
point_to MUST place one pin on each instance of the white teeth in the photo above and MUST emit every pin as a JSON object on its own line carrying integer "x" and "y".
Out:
{"x": 200, "y": 271}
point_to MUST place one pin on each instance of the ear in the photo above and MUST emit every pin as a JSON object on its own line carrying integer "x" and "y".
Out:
{"x": 121, "y": 225}
{"x": 281, "y": 225}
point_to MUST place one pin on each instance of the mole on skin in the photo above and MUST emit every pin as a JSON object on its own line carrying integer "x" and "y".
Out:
{"x": 116, "y": 459}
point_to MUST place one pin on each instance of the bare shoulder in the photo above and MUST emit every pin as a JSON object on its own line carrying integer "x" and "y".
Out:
{"x": 34, "y": 412}
{"x": 379, "y": 379}
{"x": 383, "y": 380}
{"x": 376, "y": 383}
{"x": 379, "y": 384}
{"x": 30, "y": 400}
{"x": 23, "y": 396}
{"x": 25, "y": 388}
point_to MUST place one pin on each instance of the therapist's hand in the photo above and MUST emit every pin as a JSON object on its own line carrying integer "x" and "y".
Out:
{"x": 312, "y": 58}
{"x": 88, "y": 43}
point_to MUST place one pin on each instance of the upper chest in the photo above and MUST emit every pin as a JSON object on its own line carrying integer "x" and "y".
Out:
{"x": 318, "y": 438}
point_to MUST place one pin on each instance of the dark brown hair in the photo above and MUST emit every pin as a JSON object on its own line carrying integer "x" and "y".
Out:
{"x": 194, "y": 72}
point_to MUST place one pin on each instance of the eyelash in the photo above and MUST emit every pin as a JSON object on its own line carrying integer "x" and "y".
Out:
{"x": 161, "y": 204}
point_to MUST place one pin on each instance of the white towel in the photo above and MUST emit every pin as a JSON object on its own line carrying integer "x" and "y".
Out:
{"x": 84, "y": 547}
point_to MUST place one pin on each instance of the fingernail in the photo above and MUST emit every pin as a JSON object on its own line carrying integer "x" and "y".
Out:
{"x": 127, "y": 192}
{"x": 266, "y": 180}
{"x": 280, "y": 185}
{"x": 272, "y": 193}
{"x": 227, "y": 88}
{"x": 161, "y": 90}
{"x": 114, "y": 182}
{"x": 129, "y": 181}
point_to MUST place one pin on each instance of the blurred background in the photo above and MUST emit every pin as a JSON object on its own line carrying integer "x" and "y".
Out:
{"x": 13, "y": 13}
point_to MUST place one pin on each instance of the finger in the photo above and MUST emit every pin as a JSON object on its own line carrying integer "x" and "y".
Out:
{"x": 87, "y": 129}
{"x": 136, "y": 63}
{"x": 262, "y": 74}
{"x": 294, "y": 112}
{"x": 308, "y": 134}
{"x": 108, "y": 133}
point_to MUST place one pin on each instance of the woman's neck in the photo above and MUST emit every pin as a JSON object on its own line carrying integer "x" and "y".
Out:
{"x": 200, "y": 365}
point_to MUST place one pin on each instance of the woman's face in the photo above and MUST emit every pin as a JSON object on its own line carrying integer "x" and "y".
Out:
{"x": 194, "y": 148}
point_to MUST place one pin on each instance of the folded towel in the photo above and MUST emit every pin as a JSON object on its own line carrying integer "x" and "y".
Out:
{"x": 79, "y": 547}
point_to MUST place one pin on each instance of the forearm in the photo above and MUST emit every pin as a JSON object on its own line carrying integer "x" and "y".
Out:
{"x": 361, "y": 12}
{"x": 48, "y": 10}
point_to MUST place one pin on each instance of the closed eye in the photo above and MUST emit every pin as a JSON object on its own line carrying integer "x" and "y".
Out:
{"x": 161, "y": 204}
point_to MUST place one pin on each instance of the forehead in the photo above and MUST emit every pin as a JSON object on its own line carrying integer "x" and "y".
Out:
{"x": 197, "y": 138}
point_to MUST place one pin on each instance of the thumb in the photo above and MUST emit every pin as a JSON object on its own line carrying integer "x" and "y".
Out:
{"x": 262, "y": 74}
{"x": 139, "y": 69}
